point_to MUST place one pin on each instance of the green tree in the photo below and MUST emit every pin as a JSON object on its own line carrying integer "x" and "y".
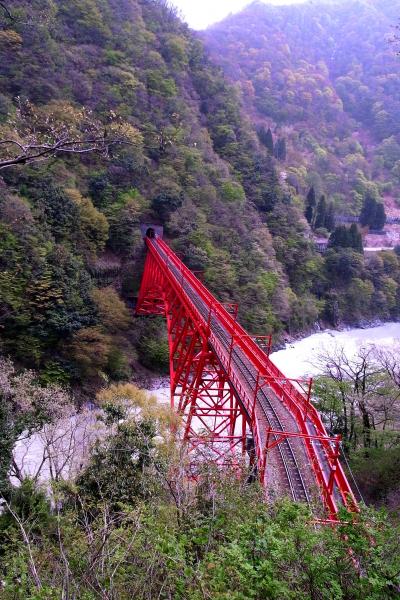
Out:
{"x": 86, "y": 20}
{"x": 346, "y": 237}
{"x": 330, "y": 217}
{"x": 59, "y": 211}
{"x": 368, "y": 211}
{"x": 280, "y": 149}
{"x": 113, "y": 313}
{"x": 233, "y": 192}
{"x": 266, "y": 138}
{"x": 343, "y": 264}
{"x": 120, "y": 467}
{"x": 320, "y": 213}
{"x": 373, "y": 213}
{"x": 90, "y": 348}
{"x": 355, "y": 238}
{"x": 93, "y": 224}
{"x": 380, "y": 217}
{"x": 310, "y": 205}
{"x": 359, "y": 297}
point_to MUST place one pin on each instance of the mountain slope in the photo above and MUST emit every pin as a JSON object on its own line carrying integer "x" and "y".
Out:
{"x": 70, "y": 226}
{"x": 325, "y": 77}
{"x": 71, "y": 252}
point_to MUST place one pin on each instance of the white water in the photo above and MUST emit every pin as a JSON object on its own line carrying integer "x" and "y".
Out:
{"x": 295, "y": 361}
{"x": 298, "y": 358}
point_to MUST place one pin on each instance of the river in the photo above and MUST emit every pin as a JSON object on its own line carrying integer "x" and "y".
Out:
{"x": 299, "y": 359}
{"x": 296, "y": 360}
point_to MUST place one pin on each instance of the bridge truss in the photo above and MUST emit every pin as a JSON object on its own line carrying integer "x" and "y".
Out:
{"x": 234, "y": 402}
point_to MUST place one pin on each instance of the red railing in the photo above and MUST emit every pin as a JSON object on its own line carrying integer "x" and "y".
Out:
{"x": 328, "y": 471}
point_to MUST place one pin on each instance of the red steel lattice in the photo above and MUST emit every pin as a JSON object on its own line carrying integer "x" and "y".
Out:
{"x": 222, "y": 379}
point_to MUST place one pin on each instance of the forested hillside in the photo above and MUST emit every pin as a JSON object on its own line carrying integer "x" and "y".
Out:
{"x": 70, "y": 225}
{"x": 112, "y": 114}
{"x": 324, "y": 77}
{"x": 320, "y": 83}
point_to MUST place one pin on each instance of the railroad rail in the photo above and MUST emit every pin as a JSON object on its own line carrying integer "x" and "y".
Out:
{"x": 233, "y": 400}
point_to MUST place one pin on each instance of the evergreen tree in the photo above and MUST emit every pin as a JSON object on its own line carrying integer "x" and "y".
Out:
{"x": 280, "y": 149}
{"x": 332, "y": 308}
{"x": 270, "y": 141}
{"x": 373, "y": 213}
{"x": 380, "y": 217}
{"x": 354, "y": 238}
{"x": 320, "y": 215}
{"x": 310, "y": 205}
{"x": 283, "y": 149}
{"x": 311, "y": 198}
{"x": 266, "y": 138}
{"x": 309, "y": 213}
{"x": 368, "y": 211}
{"x": 330, "y": 217}
{"x": 343, "y": 237}
{"x": 339, "y": 237}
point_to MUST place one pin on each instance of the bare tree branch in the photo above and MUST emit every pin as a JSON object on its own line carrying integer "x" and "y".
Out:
{"x": 7, "y": 12}
{"x": 39, "y": 133}
{"x": 25, "y": 537}
{"x": 368, "y": 386}
{"x": 99, "y": 146}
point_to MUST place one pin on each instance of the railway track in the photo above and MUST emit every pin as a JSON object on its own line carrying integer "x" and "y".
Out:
{"x": 287, "y": 462}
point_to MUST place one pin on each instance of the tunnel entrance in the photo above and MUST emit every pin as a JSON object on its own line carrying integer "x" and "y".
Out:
{"x": 150, "y": 233}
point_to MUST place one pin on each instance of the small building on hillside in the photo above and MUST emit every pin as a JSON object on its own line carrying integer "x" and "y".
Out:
{"x": 321, "y": 245}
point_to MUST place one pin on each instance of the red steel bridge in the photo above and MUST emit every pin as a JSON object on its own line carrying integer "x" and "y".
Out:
{"x": 234, "y": 402}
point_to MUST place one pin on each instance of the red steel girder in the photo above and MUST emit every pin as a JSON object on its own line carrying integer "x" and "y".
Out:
{"x": 218, "y": 405}
{"x": 214, "y": 423}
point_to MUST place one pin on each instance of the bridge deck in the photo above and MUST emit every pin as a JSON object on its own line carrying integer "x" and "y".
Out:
{"x": 279, "y": 405}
